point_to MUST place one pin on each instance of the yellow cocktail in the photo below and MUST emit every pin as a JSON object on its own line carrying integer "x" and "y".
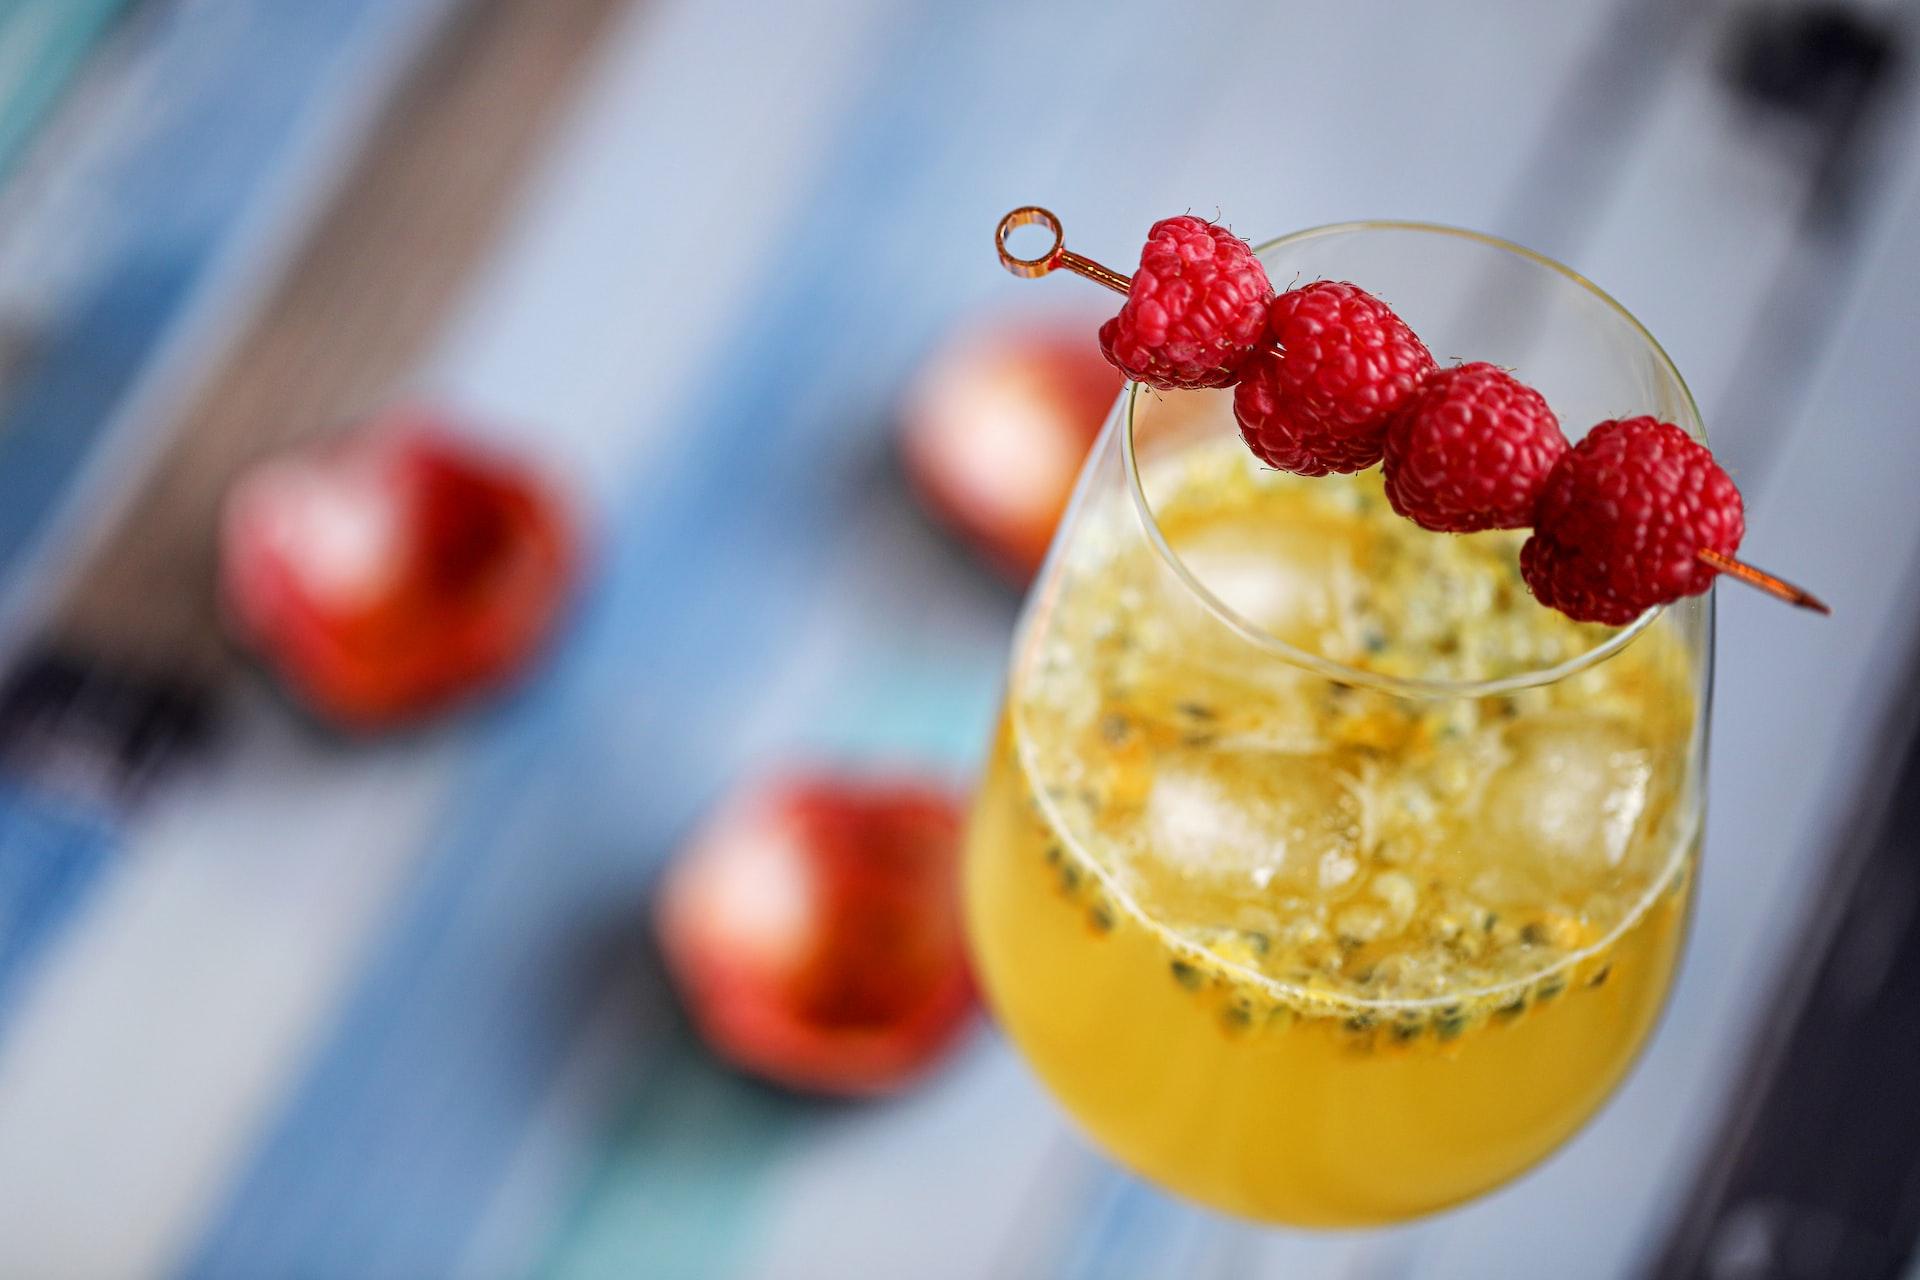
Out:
{"x": 1305, "y": 950}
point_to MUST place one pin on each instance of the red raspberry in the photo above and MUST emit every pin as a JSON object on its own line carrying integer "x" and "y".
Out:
{"x": 1621, "y": 519}
{"x": 1346, "y": 363}
{"x": 1283, "y": 435}
{"x": 1471, "y": 450}
{"x": 1197, "y": 306}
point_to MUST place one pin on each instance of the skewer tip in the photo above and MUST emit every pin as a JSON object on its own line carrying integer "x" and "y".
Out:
{"x": 1777, "y": 587}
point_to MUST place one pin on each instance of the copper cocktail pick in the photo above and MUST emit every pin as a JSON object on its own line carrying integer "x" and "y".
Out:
{"x": 1777, "y": 587}
{"x": 1057, "y": 255}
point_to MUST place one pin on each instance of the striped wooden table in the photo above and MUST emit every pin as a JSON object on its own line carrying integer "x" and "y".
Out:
{"x": 273, "y": 1005}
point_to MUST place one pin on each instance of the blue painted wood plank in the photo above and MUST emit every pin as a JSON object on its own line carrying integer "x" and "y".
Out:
{"x": 51, "y": 851}
{"x": 43, "y": 45}
{"x": 167, "y": 206}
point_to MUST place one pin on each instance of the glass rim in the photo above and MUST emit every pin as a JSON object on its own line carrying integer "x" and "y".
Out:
{"x": 1319, "y": 664}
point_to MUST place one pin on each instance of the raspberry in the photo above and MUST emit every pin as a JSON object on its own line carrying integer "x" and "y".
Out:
{"x": 1621, "y": 518}
{"x": 1322, "y": 404}
{"x": 1197, "y": 306}
{"x": 1348, "y": 358}
{"x": 1471, "y": 450}
{"x": 1283, "y": 435}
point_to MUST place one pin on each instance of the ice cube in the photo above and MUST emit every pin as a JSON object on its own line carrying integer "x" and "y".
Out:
{"x": 1224, "y": 825}
{"x": 1564, "y": 810}
{"x": 1286, "y": 579}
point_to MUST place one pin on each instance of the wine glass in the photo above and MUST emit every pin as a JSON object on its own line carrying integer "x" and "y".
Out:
{"x": 1320, "y": 873}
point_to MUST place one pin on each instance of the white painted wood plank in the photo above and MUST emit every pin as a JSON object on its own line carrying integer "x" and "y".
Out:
{"x": 649, "y": 230}
{"x": 1706, "y": 212}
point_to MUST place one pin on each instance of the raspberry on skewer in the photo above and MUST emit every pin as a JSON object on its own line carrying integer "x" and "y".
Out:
{"x": 1623, "y": 518}
{"x": 1585, "y": 561}
{"x": 1195, "y": 309}
{"x": 1195, "y": 312}
{"x": 1287, "y": 438}
{"x": 1639, "y": 514}
{"x": 1470, "y": 450}
{"x": 1345, "y": 365}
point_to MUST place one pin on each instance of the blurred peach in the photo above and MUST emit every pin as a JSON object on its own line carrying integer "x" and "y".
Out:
{"x": 813, "y": 930}
{"x": 390, "y": 573}
{"x": 997, "y": 425}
